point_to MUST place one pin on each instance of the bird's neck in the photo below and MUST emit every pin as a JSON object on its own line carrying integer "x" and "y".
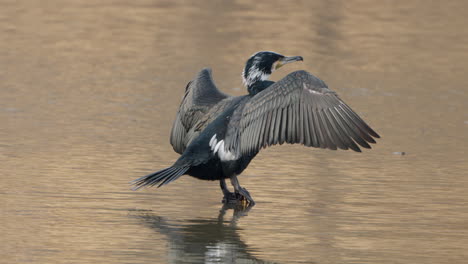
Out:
{"x": 255, "y": 79}
{"x": 258, "y": 86}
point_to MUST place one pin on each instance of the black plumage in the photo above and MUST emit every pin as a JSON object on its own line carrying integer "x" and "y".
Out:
{"x": 218, "y": 135}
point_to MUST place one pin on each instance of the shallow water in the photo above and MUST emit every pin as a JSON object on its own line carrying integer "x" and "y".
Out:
{"x": 89, "y": 90}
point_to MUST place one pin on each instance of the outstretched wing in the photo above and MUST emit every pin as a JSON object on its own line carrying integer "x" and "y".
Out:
{"x": 201, "y": 95}
{"x": 300, "y": 108}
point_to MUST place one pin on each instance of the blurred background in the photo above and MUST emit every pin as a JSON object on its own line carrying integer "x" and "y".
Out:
{"x": 89, "y": 90}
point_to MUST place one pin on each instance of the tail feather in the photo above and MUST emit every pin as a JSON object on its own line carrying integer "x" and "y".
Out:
{"x": 161, "y": 177}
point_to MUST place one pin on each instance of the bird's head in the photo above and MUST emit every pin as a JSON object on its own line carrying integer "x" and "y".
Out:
{"x": 260, "y": 66}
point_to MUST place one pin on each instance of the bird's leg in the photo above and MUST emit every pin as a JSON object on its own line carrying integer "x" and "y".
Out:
{"x": 229, "y": 197}
{"x": 242, "y": 193}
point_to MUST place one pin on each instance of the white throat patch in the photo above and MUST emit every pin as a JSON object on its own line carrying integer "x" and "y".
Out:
{"x": 254, "y": 74}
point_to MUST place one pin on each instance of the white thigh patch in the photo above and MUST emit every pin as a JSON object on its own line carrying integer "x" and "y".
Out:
{"x": 218, "y": 147}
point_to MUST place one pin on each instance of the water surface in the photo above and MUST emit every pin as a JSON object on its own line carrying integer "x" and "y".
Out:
{"x": 89, "y": 90}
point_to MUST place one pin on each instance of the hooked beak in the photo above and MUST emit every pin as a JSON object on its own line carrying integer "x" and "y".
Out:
{"x": 287, "y": 60}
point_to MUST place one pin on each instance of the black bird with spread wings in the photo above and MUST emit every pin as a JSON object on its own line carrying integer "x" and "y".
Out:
{"x": 218, "y": 135}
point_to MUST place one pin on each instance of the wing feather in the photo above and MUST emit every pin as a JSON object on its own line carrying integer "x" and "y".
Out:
{"x": 300, "y": 108}
{"x": 259, "y": 138}
{"x": 341, "y": 138}
{"x": 272, "y": 127}
{"x": 279, "y": 115}
{"x": 307, "y": 135}
{"x": 319, "y": 131}
{"x": 201, "y": 94}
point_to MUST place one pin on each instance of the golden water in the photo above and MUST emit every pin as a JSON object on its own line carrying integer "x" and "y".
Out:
{"x": 89, "y": 89}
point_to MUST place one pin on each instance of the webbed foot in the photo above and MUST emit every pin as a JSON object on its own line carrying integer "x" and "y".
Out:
{"x": 229, "y": 198}
{"x": 244, "y": 196}
{"x": 241, "y": 197}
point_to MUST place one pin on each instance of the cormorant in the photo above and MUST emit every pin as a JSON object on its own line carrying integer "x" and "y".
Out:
{"x": 218, "y": 135}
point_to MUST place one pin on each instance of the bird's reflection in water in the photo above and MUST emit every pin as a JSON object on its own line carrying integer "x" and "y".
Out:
{"x": 214, "y": 240}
